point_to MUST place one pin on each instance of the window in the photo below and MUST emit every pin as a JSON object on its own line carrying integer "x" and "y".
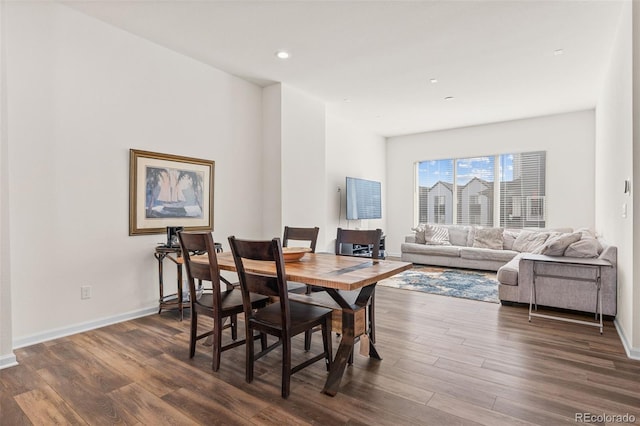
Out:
{"x": 522, "y": 190}
{"x": 435, "y": 191}
{"x": 505, "y": 190}
{"x": 474, "y": 179}
{"x": 439, "y": 209}
{"x": 535, "y": 208}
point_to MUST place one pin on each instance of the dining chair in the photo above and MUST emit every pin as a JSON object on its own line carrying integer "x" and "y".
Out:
{"x": 309, "y": 236}
{"x": 283, "y": 319}
{"x": 359, "y": 237}
{"x": 213, "y": 302}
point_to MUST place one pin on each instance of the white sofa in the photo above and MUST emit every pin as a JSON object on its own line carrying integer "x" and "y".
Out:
{"x": 498, "y": 249}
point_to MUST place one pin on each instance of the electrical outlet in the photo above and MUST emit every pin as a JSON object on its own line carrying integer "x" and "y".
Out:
{"x": 85, "y": 292}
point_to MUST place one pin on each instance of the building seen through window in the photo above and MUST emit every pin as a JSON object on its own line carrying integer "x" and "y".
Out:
{"x": 506, "y": 190}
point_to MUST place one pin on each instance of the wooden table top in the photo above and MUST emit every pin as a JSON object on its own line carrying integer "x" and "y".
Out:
{"x": 323, "y": 269}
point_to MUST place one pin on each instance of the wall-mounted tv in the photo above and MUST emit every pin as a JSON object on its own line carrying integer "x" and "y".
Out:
{"x": 364, "y": 199}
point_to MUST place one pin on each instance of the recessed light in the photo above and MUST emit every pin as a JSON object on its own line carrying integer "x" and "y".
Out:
{"x": 434, "y": 80}
{"x": 346, "y": 100}
{"x": 449, "y": 98}
{"x": 282, "y": 54}
{"x": 558, "y": 52}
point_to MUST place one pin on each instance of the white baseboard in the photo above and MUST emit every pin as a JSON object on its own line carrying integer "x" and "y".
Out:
{"x": 7, "y": 361}
{"x": 633, "y": 353}
{"x": 79, "y": 328}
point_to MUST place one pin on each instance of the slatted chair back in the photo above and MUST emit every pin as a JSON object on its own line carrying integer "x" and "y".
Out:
{"x": 309, "y": 235}
{"x": 359, "y": 236}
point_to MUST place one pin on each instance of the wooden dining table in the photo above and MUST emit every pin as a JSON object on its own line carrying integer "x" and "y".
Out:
{"x": 337, "y": 274}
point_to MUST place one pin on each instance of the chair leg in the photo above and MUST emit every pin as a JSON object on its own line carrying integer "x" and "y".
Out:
{"x": 263, "y": 341}
{"x": 286, "y": 367}
{"x": 194, "y": 333}
{"x": 234, "y": 327}
{"x": 326, "y": 341}
{"x": 249, "y": 354}
{"x": 217, "y": 342}
{"x": 307, "y": 340}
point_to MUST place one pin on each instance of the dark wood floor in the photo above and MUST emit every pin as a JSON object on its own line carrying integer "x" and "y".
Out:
{"x": 446, "y": 361}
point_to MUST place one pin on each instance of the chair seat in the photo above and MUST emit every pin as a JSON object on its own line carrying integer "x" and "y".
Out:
{"x": 231, "y": 301}
{"x": 302, "y": 316}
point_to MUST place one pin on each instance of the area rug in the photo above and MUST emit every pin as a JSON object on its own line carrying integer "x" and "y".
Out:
{"x": 467, "y": 284}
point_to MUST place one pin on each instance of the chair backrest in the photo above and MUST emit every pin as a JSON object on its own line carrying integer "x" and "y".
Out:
{"x": 273, "y": 284}
{"x": 200, "y": 242}
{"x": 301, "y": 234}
{"x": 358, "y": 236}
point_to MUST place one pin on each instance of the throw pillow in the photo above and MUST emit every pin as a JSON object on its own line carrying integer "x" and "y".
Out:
{"x": 437, "y": 235}
{"x": 490, "y": 238}
{"x": 509, "y": 237}
{"x": 586, "y": 247}
{"x": 420, "y": 230}
{"x": 529, "y": 241}
{"x": 556, "y": 245}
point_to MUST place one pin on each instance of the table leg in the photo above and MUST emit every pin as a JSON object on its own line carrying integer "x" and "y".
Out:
{"x": 348, "y": 339}
{"x": 180, "y": 307}
{"x": 160, "y": 258}
{"x": 345, "y": 349}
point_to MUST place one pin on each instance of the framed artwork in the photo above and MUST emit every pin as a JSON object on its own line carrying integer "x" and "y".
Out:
{"x": 169, "y": 190}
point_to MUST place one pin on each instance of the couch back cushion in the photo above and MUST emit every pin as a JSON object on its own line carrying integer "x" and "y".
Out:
{"x": 490, "y": 238}
{"x": 459, "y": 235}
{"x": 558, "y": 243}
{"x": 509, "y": 237}
{"x": 530, "y": 241}
{"x": 585, "y": 247}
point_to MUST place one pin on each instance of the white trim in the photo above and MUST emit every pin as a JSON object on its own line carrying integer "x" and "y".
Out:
{"x": 633, "y": 353}
{"x": 7, "y": 361}
{"x": 79, "y": 328}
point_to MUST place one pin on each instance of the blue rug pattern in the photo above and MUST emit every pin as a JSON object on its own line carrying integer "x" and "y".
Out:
{"x": 467, "y": 284}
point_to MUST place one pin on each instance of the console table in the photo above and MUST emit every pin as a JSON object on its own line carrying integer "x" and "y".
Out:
{"x": 174, "y": 300}
{"x": 593, "y": 265}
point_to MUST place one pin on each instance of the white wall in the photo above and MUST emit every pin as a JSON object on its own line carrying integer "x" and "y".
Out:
{"x": 568, "y": 139}
{"x": 271, "y": 161}
{"x": 614, "y": 163}
{"x": 80, "y": 95}
{"x": 7, "y": 357}
{"x": 303, "y": 161}
{"x": 355, "y": 152}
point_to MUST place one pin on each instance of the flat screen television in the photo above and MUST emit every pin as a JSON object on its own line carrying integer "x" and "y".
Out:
{"x": 364, "y": 199}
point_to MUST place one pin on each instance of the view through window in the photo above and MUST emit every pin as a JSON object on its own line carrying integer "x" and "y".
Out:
{"x": 506, "y": 190}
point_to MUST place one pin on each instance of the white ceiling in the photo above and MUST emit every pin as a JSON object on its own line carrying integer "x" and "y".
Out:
{"x": 371, "y": 62}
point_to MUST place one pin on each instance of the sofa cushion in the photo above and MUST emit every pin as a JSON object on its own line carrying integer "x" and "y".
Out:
{"x": 459, "y": 235}
{"x": 509, "y": 237}
{"x": 490, "y": 238}
{"x": 431, "y": 250}
{"x": 585, "y": 247}
{"x": 508, "y": 274}
{"x": 557, "y": 244}
{"x": 529, "y": 241}
{"x": 486, "y": 254}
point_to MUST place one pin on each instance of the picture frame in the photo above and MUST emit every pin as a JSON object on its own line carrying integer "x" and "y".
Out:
{"x": 168, "y": 190}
